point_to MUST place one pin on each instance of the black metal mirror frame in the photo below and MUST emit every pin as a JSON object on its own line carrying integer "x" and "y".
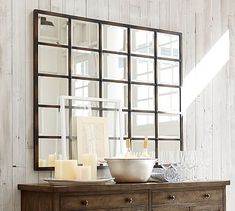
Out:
{"x": 100, "y": 80}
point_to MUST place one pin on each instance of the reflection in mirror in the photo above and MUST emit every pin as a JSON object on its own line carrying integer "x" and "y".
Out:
{"x": 85, "y": 63}
{"x": 142, "y": 69}
{"x": 114, "y": 38}
{"x": 143, "y": 124}
{"x": 168, "y": 72}
{"x": 114, "y": 67}
{"x": 52, "y": 60}
{"x": 52, "y": 29}
{"x": 168, "y": 146}
{"x": 168, "y": 99}
{"x": 142, "y": 97}
{"x": 85, "y": 34}
{"x": 49, "y": 90}
{"x": 137, "y": 147}
{"x": 113, "y": 127}
{"x": 168, "y": 126}
{"x": 49, "y": 151}
{"x": 142, "y": 42}
{"x": 85, "y": 88}
{"x": 49, "y": 121}
{"x": 116, "y": 91}
{"x": 168, "y": 45}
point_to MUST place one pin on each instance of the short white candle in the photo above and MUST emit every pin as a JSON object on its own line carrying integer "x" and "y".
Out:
{"x": 51, "y": 160}
{"x": 89, "y": 159}
{"x": 83, "y": 173}
{"x": 65, "y": 169}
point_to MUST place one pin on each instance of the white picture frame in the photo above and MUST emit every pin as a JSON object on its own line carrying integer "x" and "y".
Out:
{"x": 92, "y": 136}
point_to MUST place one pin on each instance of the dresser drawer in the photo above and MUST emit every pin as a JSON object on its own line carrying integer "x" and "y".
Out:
{"x": 103, "y": 201}
{"x": 176, "y": 197}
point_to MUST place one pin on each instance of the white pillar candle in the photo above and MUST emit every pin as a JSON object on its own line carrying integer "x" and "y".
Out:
{"x": 89, "y": 159}
{"x": 83, "y": 173}
{"x": 42, "y": 163}
{"x": 65, "y": 169}
{"x": 51, "y": 160}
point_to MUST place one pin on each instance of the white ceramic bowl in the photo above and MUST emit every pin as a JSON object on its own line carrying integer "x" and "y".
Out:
{"x": 131, "y": 169}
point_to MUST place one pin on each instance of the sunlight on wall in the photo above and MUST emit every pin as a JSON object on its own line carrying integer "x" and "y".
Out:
{"x": 205, "y": 71}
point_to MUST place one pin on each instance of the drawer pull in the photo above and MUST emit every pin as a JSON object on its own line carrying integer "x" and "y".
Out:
{"x": 84, "y": 203}
{"x": 172, "y": 197}
{"x": 207, "y": 196}
{"x": 129, "y": 200}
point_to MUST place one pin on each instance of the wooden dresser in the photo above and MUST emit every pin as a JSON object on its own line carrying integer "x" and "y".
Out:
{"x": 188, "y": 196}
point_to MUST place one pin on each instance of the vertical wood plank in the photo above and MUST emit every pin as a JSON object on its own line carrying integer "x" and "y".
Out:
{"x": 19, "y": 89}
{"x": 31, "y": 175}
{"x": 125, "y": 11}
{"x": 80, "y": 8}
{"x": 56, "y": 6}
{"x": 44, "y": 4}
{"x": 6, "y": 201}
{"x": 153, "y": 13}
{"x": 164, "y": 15}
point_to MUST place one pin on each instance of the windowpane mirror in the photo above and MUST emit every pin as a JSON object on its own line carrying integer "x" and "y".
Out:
{"x": 52, "y": 29}
{"x": 82, "y": 57}
{"x": 85, "y": 34}
{"x": 115, "y": 67}
{"x": 142, "y": 97}
{"x": 169, "y": 126}
{"x": 85, "y": 63}
{"x": 168, "y": 72}
{"x": 143, "y": 124}
{"x": 114, "y": 38}
{"x": 50, "y": 89}
{"x": 168, "y": 45}
{"x": 52, "y": 60}
{"x": 142, "y": 42}
{"x": 142, "y": 69}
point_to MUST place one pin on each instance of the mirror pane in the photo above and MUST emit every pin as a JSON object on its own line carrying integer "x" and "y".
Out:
{"x": 168, "y": 146}
{"x": 168, "y": 45}
{"x": 142, "y": 97}
{"x": 114, "y": 67}
{"x": 117, "y": 91}
{"x": 168, "y": 99}
{"x": 52, "y": 29}
{"x": 142, "y": 42}
{"x": 138, "y": 145}
{"x": 168, "y": 126}
{"x": 85, "y": 34}
{"x": 52, "y": 60}
{"x": 168, "y": 72}
{"x": 113, "y": 126}
{"x": 142, "y": 69}
{"x": 143, "y": 124}
{"x": 85, "y": 88}
{"x": 49, "y": 121}
{"x": 114, "y": 38}
{"x": 49, "y": 151}
{"x": 50, "y": 89}
{"x": 85, "y": 63}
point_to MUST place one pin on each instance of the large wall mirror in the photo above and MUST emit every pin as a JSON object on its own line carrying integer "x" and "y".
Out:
{"x": 93, "y": 58}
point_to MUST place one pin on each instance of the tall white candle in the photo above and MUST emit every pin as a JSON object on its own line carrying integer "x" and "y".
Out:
{"x": 65, "y": 169}
{"x": 83, "y": 173}
{"x": 89, "y": 159}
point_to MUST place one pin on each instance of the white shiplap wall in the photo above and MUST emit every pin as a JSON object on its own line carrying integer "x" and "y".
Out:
{"x": 209, "y": 122}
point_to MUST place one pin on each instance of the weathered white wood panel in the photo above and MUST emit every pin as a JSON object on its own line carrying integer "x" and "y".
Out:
{"x": 6, "y": 199}
{"x": 209, "y": 122}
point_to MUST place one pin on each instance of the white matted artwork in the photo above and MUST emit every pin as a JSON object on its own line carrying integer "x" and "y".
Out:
{"x": 92, "y": 136}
